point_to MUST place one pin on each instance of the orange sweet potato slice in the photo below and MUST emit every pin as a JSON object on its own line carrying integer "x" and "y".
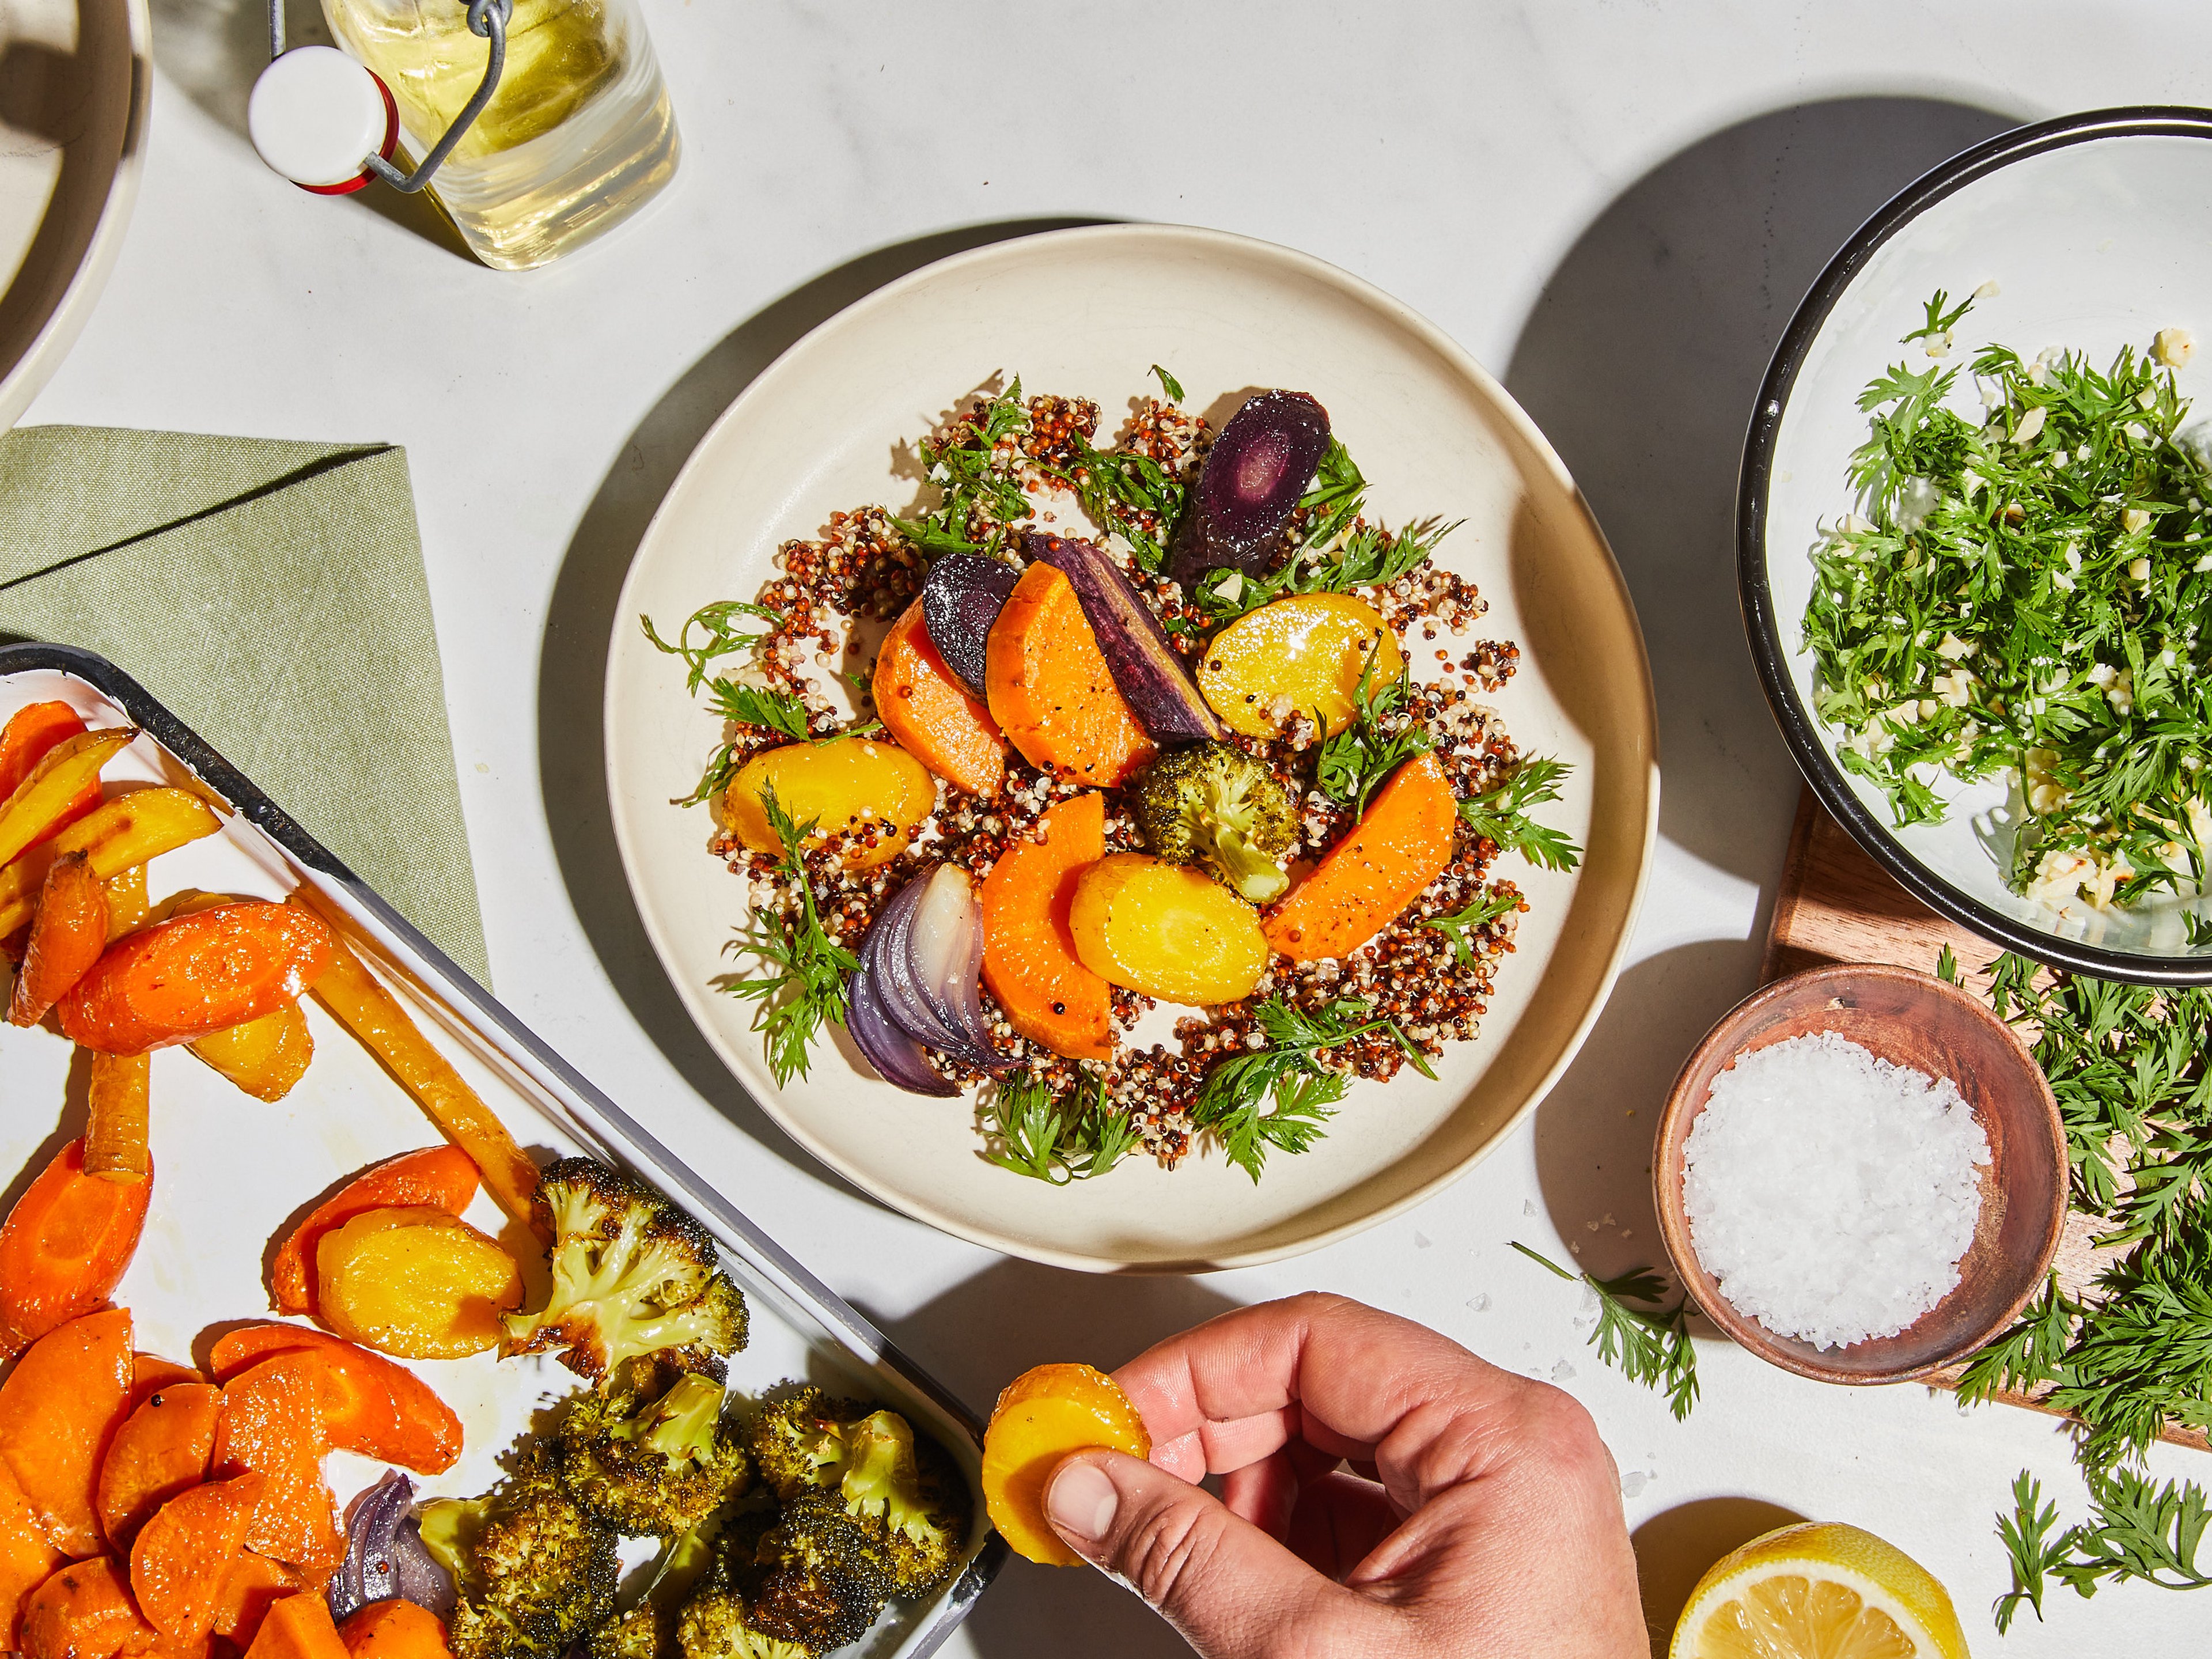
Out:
{"x": 253, "y": 1584}
{"x": 1051, "y": 691}
{"x": 394, "y": 1629}
{"x": 298, "y": 1627}
{"x": 26, "y": 1560}
{"x": 163, "y": 1448}
{"x": 371, "y": 1405}
{"x": 59, "y": 1409}
{"x": 1030, "y": 962}
{"x": 84, "y": 1611}
{"x": 1402, "y": 844}
{"x": 445, "y": 1176}
{"x": 1042, "y": 1416}
{"x": 183, "y": 1556}
{"x": 272, "y": 1425}
{"x": 933, "y": 717}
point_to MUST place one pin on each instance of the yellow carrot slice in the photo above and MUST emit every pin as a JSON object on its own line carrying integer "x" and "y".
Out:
{"x": 55, "y": 781}
{"x": 129, "y": 829}
{"x": 373, "y": 1014}
{"x": 127, "y": 904}
{"x": 115, "y": 1129}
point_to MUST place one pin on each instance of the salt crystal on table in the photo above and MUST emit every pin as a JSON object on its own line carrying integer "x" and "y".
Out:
{"x": 1831, "y": 1192}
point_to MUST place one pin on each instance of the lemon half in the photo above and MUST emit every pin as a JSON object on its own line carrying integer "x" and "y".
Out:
{"x": 1818, "y": 1590}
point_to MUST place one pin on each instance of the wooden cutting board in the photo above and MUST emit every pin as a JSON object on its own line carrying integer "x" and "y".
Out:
{"x": 1836, "y": 904}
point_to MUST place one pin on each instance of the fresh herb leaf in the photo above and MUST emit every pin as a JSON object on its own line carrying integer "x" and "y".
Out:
{"x": 720, "y": 636}
{"x": 2029, "y": 1356}
{"x": 2135, "y": 1530}
{"x": 1500, "y": 901}
{"x": 1383, "y": 734}
{"x": 1940, "y": 321}
{"x": 1651, "y": 1346}
{"x": 1946, "y": 967}
{"x": 979, "y": 488}
{"x": 808, "y": 987}
{"x": 1279, "y": 1097}
{"x": 1169, "y": 384}
{"x": 1028, "y": 1130}
{"x": 761, "y": 706}
{"x": 1119, "y": 489}
{"x": 1500, "y": 814}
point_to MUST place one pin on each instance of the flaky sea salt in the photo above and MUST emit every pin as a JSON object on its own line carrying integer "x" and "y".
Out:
{"x": 1831, "y": 1192}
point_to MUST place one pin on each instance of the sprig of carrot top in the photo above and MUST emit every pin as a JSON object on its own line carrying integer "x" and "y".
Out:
{"x": 721, "y": 635}
{"x": 808, "y": 987}
{"x": 973, "y": 486}
{"x": 1279, "y": 1097}
{"x": 1382, "y": 735}
{"x": 1029, "y": 1130}
{"x": 1649, "y": 1346}
{"x": 1500, "y": 814}
{"x": 1499, "y": 902}
{"x": 2135, "y": 1530}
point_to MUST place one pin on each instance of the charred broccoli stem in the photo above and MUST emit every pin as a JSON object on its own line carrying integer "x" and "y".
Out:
{"x": 533, "y": 1570}
{"x": 904, "y": 1487}
{"x": 657, "y": 1469}
{"x": 632, "y": 1274}
{"x": 1216, "y": 807}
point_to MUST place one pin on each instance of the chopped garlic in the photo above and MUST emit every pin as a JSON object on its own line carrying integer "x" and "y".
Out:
{"x": 2139, "y": 571}
{"x": 2173, "y": 347}
{"x": 2135, "y": 519}
{"x": 1954, "y": 649}
{"x": 2030, "y": 424}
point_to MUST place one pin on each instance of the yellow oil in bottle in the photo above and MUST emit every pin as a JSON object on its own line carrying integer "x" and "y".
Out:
{"x": 579, "y": 136}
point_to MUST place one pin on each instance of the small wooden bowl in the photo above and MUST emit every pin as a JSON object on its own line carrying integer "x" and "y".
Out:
{"x": 1910, "y": 1019}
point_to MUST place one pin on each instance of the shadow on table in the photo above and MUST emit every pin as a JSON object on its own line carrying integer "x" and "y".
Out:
{"x": 1010, "y": 1317}
{"x": 1674, "y": 1547}
{"x": 1641, "y": 360}
{"x": 572, "y": 669}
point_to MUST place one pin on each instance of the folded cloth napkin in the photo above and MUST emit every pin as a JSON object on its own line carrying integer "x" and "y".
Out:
{"x": 272, "y": 595}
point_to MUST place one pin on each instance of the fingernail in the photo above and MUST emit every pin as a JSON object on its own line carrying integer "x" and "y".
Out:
{"x": 1082, "y": 1501}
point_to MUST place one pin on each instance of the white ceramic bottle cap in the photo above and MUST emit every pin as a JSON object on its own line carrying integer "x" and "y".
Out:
{"x": 316, "y": 116}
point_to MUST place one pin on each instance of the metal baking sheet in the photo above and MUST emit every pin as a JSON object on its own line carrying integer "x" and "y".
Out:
{"x": 231, "y": 1172}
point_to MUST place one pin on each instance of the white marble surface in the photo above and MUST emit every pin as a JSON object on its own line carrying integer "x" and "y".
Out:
{"x": 1614, "y": 205}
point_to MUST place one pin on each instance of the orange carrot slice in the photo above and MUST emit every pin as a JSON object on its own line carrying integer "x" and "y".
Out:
{"x": 298, "y": 1627}
{"x": 931, "y": 715}
{"x": 1030, "y": 962}
{"x": 273, "y": 1425}
{"x": 84, "y": 1612}
{"x": 395, "y": 1630}
{"x": 27, "y": 1558}
{"x": 150, "y": 1374}
{"x": 184, "y": 1555}
{"x": 1051, "y": 691}
{"x": 371, "y": 1405}
{"x": 1402, "y": 844}
{"x": 163, "y": 1448}
{"x": 69, "y": 931}
{"x": 1042, "y": 1416}
{"x": 195, "y": 974}
{"x": 443, "y": 1176}
{"x": 253, "y": 1586}
{"x": 58, "y": 1408}
{"x": 64, "y": 1246}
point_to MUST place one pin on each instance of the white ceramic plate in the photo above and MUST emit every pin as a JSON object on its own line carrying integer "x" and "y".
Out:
{"x": 72, "y": 144}
{"x": 2097, "y": 230}
{"x": 1088, "y": 311}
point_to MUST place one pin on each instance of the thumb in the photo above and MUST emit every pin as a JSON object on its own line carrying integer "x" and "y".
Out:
{"x": 1233, "y": 1592}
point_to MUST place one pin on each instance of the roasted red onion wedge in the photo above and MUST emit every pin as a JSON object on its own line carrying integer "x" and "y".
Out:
{"x": 385, "y": 1559}
{"x": 1145, "y": 667}
{"x": 897, "y": 1056}
{"x": 1253, "y": 476}
{"x": 961, "y": 597}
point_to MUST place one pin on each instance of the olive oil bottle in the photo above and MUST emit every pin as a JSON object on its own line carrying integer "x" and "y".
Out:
{"x": 579, "y": 136}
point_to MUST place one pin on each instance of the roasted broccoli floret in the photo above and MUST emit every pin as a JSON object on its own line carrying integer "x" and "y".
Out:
{"x": 656, "y": 1468}
{"x": 646, "y": 1631}
{"x": 905, "y": 1487}
{"x": 533, "y": 1570}
{"x": 632, "y": 1274}
{"x": 1216, "y": 807}
{"x": 717, "y": 1624}
{"x": 822, "y": 1578}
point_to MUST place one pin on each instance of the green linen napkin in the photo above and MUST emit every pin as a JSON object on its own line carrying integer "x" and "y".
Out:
{"x": 272, "y": 595}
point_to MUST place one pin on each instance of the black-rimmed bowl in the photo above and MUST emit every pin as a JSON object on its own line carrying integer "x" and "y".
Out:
{"x": 2097, "y": 230}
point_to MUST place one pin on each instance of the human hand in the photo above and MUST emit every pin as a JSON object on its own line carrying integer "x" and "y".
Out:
{"x": 1481, "y": 1514}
